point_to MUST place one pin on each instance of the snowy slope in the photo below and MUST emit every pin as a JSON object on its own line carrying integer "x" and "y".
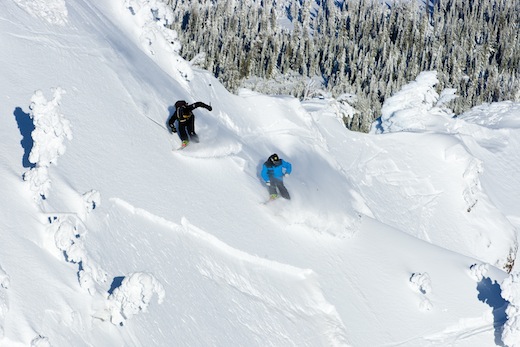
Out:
{"x": 398, "y": 237}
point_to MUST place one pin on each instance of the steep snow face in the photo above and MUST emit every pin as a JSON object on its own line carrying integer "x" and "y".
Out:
{"x": 121, "y": 241}
{"x": 462, "y": 151}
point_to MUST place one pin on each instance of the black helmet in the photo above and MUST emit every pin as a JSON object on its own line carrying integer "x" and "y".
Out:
{"x": 180, "y": 103}
{"x": 274, "y": 159}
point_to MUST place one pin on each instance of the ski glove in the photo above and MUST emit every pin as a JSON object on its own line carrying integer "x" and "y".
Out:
{"x": 268, "y": 183}
{"x": 209, "y": 108}
{"x": 173, "y": 130}
{"x": 286, "y": 174}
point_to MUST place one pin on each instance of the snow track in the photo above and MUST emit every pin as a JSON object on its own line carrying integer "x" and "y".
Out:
{"x": 266, "y": 298}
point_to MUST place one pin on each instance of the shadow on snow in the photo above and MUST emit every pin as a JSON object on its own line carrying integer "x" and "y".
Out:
{"x": 490, "y": 293}
{"x": 116, "y": 282}
{"x": 26, "y": 126}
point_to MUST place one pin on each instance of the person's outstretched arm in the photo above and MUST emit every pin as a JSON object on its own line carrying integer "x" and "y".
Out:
{"x": 200, "y": 104}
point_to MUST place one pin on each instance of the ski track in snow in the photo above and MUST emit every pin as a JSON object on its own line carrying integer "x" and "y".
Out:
{"x": 207, "y": 150}
{"x": 218, "y": 265}
{"x": 461, "y": 335}
{"x": 456, "y": 335}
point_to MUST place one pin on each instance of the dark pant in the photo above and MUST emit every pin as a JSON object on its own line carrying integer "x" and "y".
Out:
{"x": 277, "y": 186}
{"x": 186, "y": 129}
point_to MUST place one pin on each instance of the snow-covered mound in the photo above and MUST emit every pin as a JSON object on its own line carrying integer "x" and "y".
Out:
{"x": 455, "y": 186}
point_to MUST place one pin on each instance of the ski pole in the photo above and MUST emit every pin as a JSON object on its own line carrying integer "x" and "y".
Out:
{"x": 156, "y": 122}
{"x": 210, "y": 89}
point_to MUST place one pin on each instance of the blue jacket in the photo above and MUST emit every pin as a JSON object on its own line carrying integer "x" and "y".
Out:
{"x": 270, "y": 170}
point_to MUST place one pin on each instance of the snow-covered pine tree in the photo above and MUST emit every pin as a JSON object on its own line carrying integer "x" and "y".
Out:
{"x": 360, "y": 45}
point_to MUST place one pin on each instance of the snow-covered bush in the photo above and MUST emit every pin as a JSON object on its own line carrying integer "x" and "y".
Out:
{"x": 68, "y": 238}
{"x": 478, "y": 271}
{"x": 421, "y": 283}
{"x": 40, "y": 184}
{"x": 92, "y": 199}
{"x": 51, "y": 130}
{"x": 473, "y": 188}
{"x": 151, "y": 11}
{"x": 133, "y": 296}
{"x": 417, "y": 106}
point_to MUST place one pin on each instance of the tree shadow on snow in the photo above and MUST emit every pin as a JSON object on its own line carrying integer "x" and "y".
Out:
{"x": 116, "y": 282}
{"x": 26, "y": 126}
{"x": 489, "y": 293}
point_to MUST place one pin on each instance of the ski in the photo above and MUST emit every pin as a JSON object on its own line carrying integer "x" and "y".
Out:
{"x": 269, "y": 200}
{"x": 183, "y": 145}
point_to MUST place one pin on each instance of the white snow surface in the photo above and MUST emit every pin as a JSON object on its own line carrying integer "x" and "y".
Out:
{"x": 400, "y": 237}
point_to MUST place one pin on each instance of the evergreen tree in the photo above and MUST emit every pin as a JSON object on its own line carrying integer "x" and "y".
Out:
{"x": 361, "y": 47}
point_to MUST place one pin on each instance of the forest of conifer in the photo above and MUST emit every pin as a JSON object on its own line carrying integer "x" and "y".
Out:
{"x": 365, "y": 48}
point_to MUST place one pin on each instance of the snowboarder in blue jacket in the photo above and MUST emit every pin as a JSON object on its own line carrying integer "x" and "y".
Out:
{"x": 273, "y": 172}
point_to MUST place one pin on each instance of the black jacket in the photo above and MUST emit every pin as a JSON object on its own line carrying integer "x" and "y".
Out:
{"x": 185, "y": 112}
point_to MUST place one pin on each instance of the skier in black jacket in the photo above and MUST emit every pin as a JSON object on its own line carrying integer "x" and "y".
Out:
{"x": 185, "y": 120}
